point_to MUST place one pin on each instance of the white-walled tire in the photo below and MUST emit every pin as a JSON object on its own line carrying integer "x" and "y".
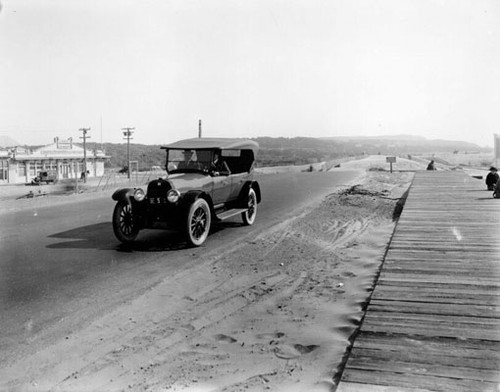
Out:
{"x": 198, "y": 222}
{"x": 249, "y": 215}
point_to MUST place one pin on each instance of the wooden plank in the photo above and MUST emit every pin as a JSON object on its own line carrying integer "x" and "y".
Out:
{"x": 455, "y": 321}
{"x": 408, "y": 362}
{"x": 431, "y": 267}
{"x": 429, "y": 328}
{"x": 436, "y": 346}
{"x": 404, "y": 380}
{"x": 389, "y": 276}
{"x": 409, "y": 254}
{"x": 403, "y": 307}
{"x": 452, "y": 272}
{"x": 436, "y": 297}
{"x": 492, "y": 289}
{"x": 473, "y": 264}
{"x": 356, "y": 387}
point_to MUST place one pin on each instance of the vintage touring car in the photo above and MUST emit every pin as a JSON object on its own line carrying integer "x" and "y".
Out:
{"x": 208, "y": 180}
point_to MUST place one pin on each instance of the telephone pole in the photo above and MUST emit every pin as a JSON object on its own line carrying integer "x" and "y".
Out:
{"x": 127, "y": 133}
{"x": 84, "y": 137}
{"x": 199, "y": 129}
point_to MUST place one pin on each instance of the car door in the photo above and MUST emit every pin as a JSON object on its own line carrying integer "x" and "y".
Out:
{"x": 237, "y": 182}
{"x": 221, "y": 189}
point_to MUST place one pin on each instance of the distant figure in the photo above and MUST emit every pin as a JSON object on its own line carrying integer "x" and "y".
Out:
{"x": 492, "y": 178}
{"x": 431, "y": 166}
{"x": 496, "y": 191}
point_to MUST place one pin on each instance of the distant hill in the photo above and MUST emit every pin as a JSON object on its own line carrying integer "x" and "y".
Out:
{"x": 7, "y": 141}
{"x": 415, "y": 143}
{"x": 299, "y": 150}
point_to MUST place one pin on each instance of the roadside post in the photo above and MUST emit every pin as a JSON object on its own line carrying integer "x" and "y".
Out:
{"x": 390, "y": 160}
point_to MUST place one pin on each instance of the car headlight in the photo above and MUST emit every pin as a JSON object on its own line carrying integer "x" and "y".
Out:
{"x": 139, "y": 194}
{"x": 173, "y": 195}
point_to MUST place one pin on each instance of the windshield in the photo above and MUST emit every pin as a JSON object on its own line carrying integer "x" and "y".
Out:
{"x": 185, "y": 161}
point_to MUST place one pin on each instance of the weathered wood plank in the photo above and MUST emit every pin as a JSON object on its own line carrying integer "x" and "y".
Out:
{"x": 493, "y": 289}
{"x": 437, "y": 322}
{"x": 356, "y": 387}
{"x": 452, "y": 272}
{"x": 402, "y": 307}
{"x": 436, "y": 297}
{"x": 428, "y": 327}
{"x": 406, "y": 380}
{"x": 407, "y": 362}
{"x": 432, "y": 345}
{"x": 390, "y": 276}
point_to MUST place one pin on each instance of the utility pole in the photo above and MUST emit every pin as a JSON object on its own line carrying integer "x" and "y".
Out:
{"x": 199, "y": 129}
{"x": 127, "y": 132}
{"x": 84, "y": 137}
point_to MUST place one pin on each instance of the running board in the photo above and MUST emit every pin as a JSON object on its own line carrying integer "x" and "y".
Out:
{"x": 230, "y": 213}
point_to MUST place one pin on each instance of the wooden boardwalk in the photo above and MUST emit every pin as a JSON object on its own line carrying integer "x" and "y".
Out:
{"x": 433, "y": 321}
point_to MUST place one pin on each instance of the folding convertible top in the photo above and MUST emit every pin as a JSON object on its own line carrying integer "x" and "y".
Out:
{"x": 214, "y": 143}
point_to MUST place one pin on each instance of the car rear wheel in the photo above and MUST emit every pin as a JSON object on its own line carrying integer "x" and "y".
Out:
{"x": 249, "y": 215}
{"x": 198, "y": 222}
{"x": 123, "y": 222}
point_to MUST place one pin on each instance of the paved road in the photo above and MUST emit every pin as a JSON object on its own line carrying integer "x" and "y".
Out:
{"x": 61, "y": 266}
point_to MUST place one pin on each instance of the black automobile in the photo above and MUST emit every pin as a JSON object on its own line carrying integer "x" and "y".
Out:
{"x": 208, "y": 180}
{"x": 46, "y": 176}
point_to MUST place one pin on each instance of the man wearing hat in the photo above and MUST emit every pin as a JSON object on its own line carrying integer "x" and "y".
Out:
{"x": 492, "y": 178}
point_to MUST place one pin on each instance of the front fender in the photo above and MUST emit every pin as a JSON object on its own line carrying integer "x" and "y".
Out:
{"x": 189, "y": 198}
{"x": 125, "y": 194}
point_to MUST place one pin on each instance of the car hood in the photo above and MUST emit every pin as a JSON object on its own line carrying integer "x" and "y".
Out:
{"x": 188, "y": 181}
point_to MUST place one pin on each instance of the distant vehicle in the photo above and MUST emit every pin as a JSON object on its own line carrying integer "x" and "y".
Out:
{"x": 208, "y": 180}
{"x": 45, "y": 176}
{"x": 123, "y": 170}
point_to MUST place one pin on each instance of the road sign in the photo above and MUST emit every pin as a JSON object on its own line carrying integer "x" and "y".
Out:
{"x": 390, "y": 160}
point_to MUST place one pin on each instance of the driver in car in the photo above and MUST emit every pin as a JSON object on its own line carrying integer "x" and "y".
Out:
{"x": 188, "y": 162}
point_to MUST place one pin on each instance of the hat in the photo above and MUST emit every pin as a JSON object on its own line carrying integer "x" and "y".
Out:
{"x": 493, "y": 168}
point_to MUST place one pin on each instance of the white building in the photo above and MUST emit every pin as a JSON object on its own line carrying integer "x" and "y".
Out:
{"x": 21, "y": 165}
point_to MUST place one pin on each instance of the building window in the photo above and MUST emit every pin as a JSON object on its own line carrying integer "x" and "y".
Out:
{"x": 21, "y": 169}
{"x": 31, "y": 168}
{"x": 3, "y": 170}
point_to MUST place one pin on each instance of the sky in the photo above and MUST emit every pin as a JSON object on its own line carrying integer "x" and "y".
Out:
{"x": 249, "y": 68}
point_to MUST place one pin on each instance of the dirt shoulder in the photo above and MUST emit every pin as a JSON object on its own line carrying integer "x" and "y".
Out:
{"x": 273, "y": 313}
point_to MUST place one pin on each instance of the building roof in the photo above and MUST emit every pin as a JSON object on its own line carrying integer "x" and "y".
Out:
{"x": 214, "y": 143}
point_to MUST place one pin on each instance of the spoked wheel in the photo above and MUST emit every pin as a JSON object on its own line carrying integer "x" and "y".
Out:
{"x": 123, "y": 222}
{"x": 198, "y": 222}
{"x": 249, "y": 215}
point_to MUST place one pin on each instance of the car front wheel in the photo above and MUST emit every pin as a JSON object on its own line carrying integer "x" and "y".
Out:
{"x": 249, "y": 215}
{"x": 123, "y": 222}
{"x": 198, "y": 222}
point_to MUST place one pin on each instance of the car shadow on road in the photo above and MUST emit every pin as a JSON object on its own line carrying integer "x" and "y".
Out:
{"x": 100, "y": 236}
{"x": 96, "y": 236}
